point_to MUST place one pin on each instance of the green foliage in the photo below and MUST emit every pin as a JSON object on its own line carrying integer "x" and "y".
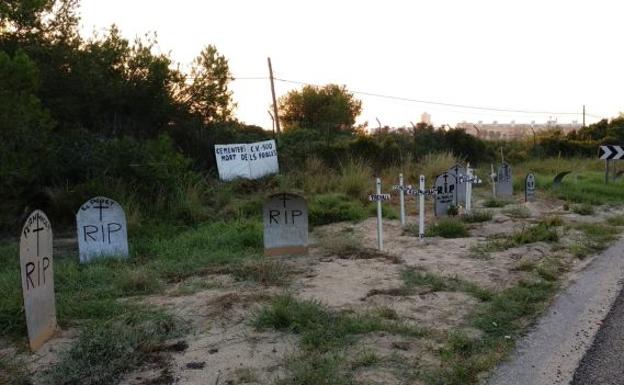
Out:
{"x": 106, "y": 350}
{"x": 583, "y": 209}
{"x": 413, "y": 278}
{"x": 447, "y": 228}
{"x": 595, "y": 238}
{"x": 13, "y": 370}
{"x": 494, "y": 203}
{"x": 477, "y": 216}
{"x": 330, "y": 208}
{"x": 517, "y": 212}
{"x": 328, "y": 109}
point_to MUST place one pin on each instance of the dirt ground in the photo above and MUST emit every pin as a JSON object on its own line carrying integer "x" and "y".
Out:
{"x": 223, "y": 348}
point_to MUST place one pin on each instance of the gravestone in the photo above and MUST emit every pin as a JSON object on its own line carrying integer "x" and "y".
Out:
{"x": 285, "y": 218}
{"x": 504, "y": 182}
{"x": 529, "y": 188}
{"x": 459, "y": 172}
{"x": 37, "y": 271}
{"x": 446, "y": 193}
{"x": 102, "y": 229}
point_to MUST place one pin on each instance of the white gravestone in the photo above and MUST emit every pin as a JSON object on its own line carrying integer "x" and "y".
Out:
{"x": 250, "y": 161}
{"x": 529, "y": 188}
{"x": 504, "y": 181}
{"x": 285, "y": 218}
{"x": 445, "y": 193}
{"x": 37, "y": 271}
{"x": 102, "y": 229}
{"x": 459, "y": 172}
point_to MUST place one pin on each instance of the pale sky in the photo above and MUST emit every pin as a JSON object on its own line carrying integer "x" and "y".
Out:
{"x": 537, "y": 55}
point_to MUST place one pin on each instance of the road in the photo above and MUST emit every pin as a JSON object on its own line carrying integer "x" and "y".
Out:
{"x": 604, "y": 362}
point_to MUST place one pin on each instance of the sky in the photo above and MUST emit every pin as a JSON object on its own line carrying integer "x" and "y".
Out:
{"x": 549, "y": 56}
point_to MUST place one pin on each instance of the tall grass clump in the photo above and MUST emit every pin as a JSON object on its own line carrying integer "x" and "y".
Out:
{"x": 447, "y": 228}
{"x": 434, "y": 164}
{"x": 355, "y": 179}
{"x": 107, "y": 350}
{"x": 477, "y": 216}
{"x": 335, "y": 207}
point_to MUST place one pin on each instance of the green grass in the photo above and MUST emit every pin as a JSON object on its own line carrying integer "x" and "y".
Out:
{"x": 91, "y": 291}
{"x": 590, "y": 189}
{"x": 477, "y": 216}
{"x": 517, "y": 212}
{"x": 335, "y": 207}
{"x": 264, "y": 271}
{"x": 107, "y": 350}
{"x": 13, "y": 370}
{"x": 501, "y": 320}
{"x": 494, "y": 203}
{"x": 544, "y": 231}
{"x": 595, "y": 238}
{"x": 445, "y": 228}
{"x": 616, "y": 220}
{"x": 413, "y": 278}
{"x": 583, "y": 209}
{"x": 323, "y": 336}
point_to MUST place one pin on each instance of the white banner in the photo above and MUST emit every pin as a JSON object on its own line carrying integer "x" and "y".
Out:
{"x": 249, "y": 161}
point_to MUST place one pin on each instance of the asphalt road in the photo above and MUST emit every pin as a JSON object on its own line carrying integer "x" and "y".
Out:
{"x": 604, "y": 362}
{"x": 551, "y": 352}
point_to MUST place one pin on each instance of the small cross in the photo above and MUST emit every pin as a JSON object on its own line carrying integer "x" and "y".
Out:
{"x": 101, "y": 207}
{"x": 284, "y": 199}
{"x": 445, "y": 182}
{"x": 37, "y": 230}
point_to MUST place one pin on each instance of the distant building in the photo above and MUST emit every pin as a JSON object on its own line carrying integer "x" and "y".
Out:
{"x": 513, "y": 130}
{"x": 425, "y": 118}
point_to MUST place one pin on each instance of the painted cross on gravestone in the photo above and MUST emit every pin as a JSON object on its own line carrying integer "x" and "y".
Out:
{"x": 459, "y": 172}
{"x": 446, "y": 193}
{"x": 529, "y": 188}
{"x": 102, "y": 229}
{"x": 38, "y": 279}
{"x": 285, "y": 218}
{"x": 504, "y": 182}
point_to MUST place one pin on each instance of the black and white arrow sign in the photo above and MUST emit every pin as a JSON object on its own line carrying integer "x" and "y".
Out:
{"x": 611, "y": 152}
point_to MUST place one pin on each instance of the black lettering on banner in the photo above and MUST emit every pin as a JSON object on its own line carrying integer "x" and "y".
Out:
{"x": 116, "y": 226}
{"x": 272, "y": 216}
{"x": 30, "y": 268}
{"x": 296, "y": 213}
{"x": 88, "y": 233}
{"x": 46, "y": 264}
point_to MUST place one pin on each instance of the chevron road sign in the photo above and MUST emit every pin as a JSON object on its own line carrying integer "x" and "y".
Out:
{"x": 611, "y": 152}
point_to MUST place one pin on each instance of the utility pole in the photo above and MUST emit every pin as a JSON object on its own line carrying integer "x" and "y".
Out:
{"x": 583, "y": 115}
{"x": 275, "y": 114}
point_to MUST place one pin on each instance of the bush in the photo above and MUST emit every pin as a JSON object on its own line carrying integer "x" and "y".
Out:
{"x": 331, "y": 208}
{"x": 583, "y": 209}
{"x": 447, "y": 228}
{"x": 477, "y": 216}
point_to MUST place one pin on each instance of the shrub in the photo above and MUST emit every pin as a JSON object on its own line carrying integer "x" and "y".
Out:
{"x": 330, "y": 208}
{"x": 477, "y": 216}
{"x": 583, "y": 209}
{"x": 447, "y": 228}
{"x": 493, "y": 202}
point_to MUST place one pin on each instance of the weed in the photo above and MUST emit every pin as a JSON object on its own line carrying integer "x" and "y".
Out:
{"x": 347, "y": 247}
{"x": 194, "y": 285}
{"x": 494, "y": 203}
{"x": 552, "y": 221}
{"x": 387, "y": 211}
{"x": 447, "y": 228}
{"x": 477, "y": 216}
{"x": 583, "y": 209}
{"x": 106, "y": 350}
{"x": 320, "y": 328}
{"x": 517, "y": 212}
{"x": 537, "y": 233}
{"x": 365, "y": 358}
{"x": 265, "y": 271}
{"x": 595, "y": 238}
{"x": 616, "y": 220}
{"x": 330, "y": 208}
{"x": 413, "y": 278}
{"x": 245, "y": 376}
{"x": 13, "y": 370}
{"x": 317, "y": 368}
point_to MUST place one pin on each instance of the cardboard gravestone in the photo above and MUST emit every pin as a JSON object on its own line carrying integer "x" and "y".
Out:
{"x": 529, "y": 188}
{"x": 102, "y": 229}
{"x": 504, "y": 182}
{"x": 37, "y": 271}
{"x": 285, "y": 218}
{"x": 459, "y": 172}
{"x": 446, "y": 193}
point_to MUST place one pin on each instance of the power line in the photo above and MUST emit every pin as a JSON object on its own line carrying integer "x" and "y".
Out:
{"x": 445, "y": 104}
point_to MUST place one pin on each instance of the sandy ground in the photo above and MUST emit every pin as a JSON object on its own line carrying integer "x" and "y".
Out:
{"x": 223, "y": 348}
